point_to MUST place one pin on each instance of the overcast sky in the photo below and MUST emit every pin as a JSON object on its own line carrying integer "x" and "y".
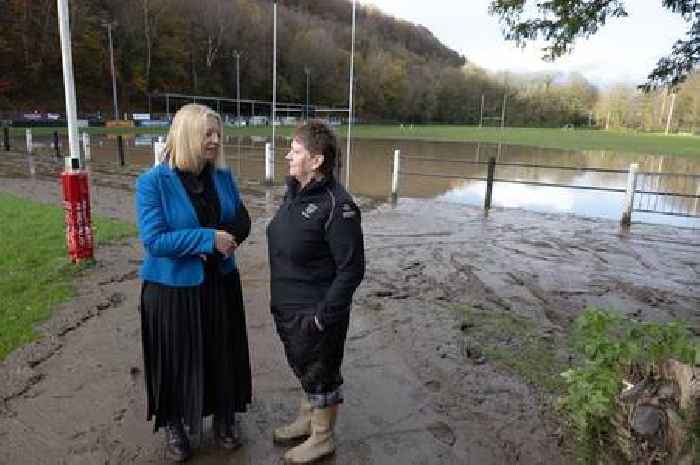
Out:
{"x": 624, "y": 50}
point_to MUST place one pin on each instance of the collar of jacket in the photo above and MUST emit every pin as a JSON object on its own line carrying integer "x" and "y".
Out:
{"x": 316, "y": 185}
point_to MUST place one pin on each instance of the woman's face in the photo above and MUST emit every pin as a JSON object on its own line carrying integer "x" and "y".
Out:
{"x": 212, "y": 140}
{"x": 302, "y": 164}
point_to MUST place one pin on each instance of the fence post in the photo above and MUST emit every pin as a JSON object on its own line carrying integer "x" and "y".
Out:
{"x": 395, "y": 177}
{"x": 489, "y": 183}
{"x": 120, "y": 150}
{"x": 626, "y": 219}
{"x": 269, "y": 164}
{"x": 86, "y": 146}
{"x": 28, "y": 134}
{"x": 6, "y": 133}
{"x": 158, "y": 147}
{"x": 56, "y": 147}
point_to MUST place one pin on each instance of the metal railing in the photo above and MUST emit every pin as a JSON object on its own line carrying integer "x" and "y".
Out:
{"x": 641, "y": 194}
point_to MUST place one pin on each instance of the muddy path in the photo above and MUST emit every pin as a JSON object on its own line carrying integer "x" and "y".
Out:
{"x": 444, "y": 285}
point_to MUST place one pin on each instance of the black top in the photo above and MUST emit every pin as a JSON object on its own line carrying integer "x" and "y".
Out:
{"x": 205, "y": 200}
{"x": 316, "y": 250}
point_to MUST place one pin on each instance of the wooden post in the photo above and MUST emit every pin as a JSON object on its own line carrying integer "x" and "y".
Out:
{"x": 395, "y": 177}
{"x": 269, "y": 164}
{"x": 28, "y": 134}
{"x": 626, "y": 219}
{"x": 489, "y": 183}
{"x": 55, "y": 144}
{"x": 6, "y": 133}
{"x": 120, "y": 150}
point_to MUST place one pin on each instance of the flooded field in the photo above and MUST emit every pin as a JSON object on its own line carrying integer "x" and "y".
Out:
{"x": 441, "y": 177}
{"x": 442, "y": 280}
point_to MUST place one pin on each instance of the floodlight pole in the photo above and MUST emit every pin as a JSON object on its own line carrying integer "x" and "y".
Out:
{"x": 111, "y": 60}
{"x": 274, "y": 72}
{"x": 352, "y": 71}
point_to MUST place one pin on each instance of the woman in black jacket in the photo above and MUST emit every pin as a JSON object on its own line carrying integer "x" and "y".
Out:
{"x": 317, "y": 261}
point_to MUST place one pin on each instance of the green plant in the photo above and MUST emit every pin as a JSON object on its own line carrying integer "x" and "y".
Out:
{"x": 611, "y": 348}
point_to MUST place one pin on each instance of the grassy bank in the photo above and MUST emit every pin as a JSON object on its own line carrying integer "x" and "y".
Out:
{"x": 35, "y": 273}
{"x": 579, "y": 139}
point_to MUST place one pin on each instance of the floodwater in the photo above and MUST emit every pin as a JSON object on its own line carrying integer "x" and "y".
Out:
{"x": 441, "y": 176}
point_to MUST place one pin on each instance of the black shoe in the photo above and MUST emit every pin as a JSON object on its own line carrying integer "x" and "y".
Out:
{"x": 226, "y": 435}
{"x": 177, "y": 444}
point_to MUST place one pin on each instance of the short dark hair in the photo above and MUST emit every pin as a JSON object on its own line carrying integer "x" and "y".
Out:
{"x": 319, "y": 139}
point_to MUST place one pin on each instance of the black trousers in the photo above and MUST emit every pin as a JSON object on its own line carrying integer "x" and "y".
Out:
{"x": 314, "y": 356}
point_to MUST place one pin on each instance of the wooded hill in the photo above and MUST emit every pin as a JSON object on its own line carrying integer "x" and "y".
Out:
{"x": 403, "y": 73}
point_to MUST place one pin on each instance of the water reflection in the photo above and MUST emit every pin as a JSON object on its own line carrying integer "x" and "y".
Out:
{"x": 513, "y": 195}
{"x": 372, "y": 167}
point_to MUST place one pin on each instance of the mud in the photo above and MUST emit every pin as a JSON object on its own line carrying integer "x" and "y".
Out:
{"x": 445, "y": 286}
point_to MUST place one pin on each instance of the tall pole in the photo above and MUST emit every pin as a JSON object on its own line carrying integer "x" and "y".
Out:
{"x": 481, "y": 115}
{"x": 274, "y": 71}
{"x": 69, "y": 85}
{"x": 238, "y": 86}
{"x": 307, "y": 70}
{"x": 352, "y": 72}
{"x": 111, "y": 60}
{"x": 503, "y": 111}
{"x": 670, "y": 113}
{"x": 505, "y": 94}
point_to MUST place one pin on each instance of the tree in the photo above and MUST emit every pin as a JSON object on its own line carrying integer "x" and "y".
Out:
{"x": 561, "y": 22}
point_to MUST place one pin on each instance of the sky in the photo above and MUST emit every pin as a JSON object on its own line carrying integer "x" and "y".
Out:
{"x": 625, "y": 50}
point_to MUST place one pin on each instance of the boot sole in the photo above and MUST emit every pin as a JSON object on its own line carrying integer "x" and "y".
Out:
{"x": 316, "y": 460}
{"x": 289, "y": 441}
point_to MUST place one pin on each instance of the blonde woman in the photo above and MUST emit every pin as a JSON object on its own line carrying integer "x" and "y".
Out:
{"x": 191, "y": 220}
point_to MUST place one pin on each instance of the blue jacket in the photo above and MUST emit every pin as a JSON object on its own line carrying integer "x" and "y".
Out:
{"x": 169, "y": 228}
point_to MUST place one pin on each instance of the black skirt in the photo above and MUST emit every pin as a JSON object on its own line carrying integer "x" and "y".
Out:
{"x": 195, "y": 350}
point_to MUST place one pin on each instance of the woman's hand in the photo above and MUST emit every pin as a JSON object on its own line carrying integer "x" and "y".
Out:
{"x": 225, "y": 243}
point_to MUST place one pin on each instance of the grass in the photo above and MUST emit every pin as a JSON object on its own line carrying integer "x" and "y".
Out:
{"x": 578, "y": 139}
{"x": 512, "y": 343}
{"x": 35, "y": 272}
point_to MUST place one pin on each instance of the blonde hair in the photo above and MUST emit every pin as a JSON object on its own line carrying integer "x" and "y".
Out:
{"x": 187, "y": 131}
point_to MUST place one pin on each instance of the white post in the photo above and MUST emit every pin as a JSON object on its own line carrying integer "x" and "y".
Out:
{"x": 395, "y": 175}
{"x": 269, "y": 164}
{"x": 352, "y": 71}
{"x": 72, "y": 162}
{"x": 158, "y": 147}
{"x": 629, "y": 195}
{"x": 86, "y": 146}
{"x": 28, "y": 133}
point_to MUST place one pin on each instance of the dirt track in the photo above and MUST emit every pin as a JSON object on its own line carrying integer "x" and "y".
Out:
{"x": 413, "y": 392}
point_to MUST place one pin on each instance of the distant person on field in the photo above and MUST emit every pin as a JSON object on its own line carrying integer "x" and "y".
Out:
{"x": 191, "y": 220}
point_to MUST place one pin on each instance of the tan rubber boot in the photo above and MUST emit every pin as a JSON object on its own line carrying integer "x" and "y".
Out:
{"x": 299, "y": 429}
{"x": 321, "y": 442}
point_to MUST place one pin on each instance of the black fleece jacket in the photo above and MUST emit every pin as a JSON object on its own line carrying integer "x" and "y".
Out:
{"x": 316, "y": 250}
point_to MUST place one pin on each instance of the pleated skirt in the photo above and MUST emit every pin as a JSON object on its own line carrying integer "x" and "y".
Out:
{"x": 195, "y": 351}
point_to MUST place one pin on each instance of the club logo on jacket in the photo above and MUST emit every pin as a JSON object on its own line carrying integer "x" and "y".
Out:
{"x": 309, "y": 210}
{"x": 348, "y": 212}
